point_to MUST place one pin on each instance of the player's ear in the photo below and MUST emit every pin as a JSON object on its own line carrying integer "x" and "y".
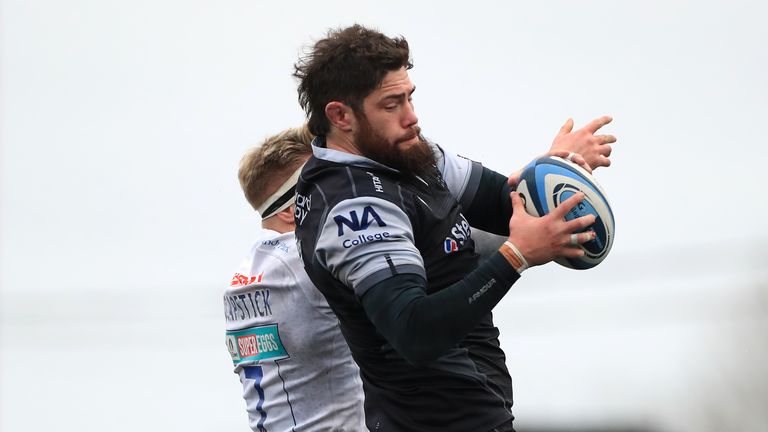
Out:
{"x": 286, "y": 215}
{"x": 339, "y": 115}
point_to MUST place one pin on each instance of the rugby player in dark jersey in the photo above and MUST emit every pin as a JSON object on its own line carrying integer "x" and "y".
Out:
{"x": 384, "y": 223}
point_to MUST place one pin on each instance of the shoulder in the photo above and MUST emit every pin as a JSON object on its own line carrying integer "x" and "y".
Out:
{"x": 280, "y": 245}
{"x": 271, "y": 252}
{"x": 341, "y": 193}
{"x": 366, "y": 213}
{"x": 284, "y": 261}
{"x": 345, "y": 180}
{"x": 461, "y": 175}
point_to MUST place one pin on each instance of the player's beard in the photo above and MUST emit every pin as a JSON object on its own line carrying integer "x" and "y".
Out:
{"x": 416, "y": 159}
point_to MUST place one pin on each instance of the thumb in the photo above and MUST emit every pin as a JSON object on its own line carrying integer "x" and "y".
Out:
{"x": 517, "y": 202}
{"x": 566, "y": 128}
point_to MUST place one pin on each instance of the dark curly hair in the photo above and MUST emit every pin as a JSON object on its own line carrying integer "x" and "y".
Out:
{"x": 346, "y": 66}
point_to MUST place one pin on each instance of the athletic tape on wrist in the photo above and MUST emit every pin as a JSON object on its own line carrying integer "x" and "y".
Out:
{"x": 519, "y": 255}
{"x": 282, "y": 198}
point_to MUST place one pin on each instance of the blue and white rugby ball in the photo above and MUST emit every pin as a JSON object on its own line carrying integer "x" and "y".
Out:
{"x": 548, "y": 181}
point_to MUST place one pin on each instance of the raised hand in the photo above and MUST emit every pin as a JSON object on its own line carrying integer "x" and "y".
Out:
{"x": 595, "y": 149}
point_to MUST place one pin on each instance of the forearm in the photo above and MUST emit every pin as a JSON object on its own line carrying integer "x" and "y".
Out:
{"x": 491, "y": 208}
{"x": 422, "y": 327}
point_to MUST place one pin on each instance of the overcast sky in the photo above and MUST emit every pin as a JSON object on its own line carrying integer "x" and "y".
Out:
{"x": 122, "y": 124}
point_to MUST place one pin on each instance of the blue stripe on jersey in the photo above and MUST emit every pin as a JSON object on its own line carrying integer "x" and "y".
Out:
{"x": 256, "y": 374}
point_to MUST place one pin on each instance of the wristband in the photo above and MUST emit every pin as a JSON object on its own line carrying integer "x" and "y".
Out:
{"x": 513, "y": 255}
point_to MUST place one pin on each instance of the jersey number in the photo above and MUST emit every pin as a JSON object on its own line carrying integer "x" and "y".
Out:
{"x": 256, "y": 374}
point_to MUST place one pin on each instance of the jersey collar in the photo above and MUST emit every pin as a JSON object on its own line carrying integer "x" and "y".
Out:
{"x": 320, "y": 151}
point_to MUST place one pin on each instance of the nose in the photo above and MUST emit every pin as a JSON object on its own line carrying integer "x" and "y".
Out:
{"x": 409, "y": 115}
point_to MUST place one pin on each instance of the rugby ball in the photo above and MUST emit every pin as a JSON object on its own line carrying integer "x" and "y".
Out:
{"x": 548, "y": 181}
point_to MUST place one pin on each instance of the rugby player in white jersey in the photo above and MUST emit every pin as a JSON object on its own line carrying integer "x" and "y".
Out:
{"x": 294, "y": 364}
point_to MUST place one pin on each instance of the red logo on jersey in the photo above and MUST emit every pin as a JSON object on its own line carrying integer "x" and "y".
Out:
{"x": 449, "y": 245}
{"x": 243, "y": 280}
{"x": 248, "y": 345}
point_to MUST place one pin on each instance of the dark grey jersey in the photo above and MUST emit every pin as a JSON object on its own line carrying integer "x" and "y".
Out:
{"x": 360, "y": 223}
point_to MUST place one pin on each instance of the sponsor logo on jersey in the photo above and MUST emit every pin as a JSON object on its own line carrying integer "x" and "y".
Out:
{"x": 361, "y": 239}
{"x": 232, "y": 347}
{"x": 276, "y": 244}
{"x": 460, "y": 232}
{"x": 356, "y": 223}
{"x": 376, "y": 182}
{"x": 255, "y": 344}
{"x": 303, "y": 204}
{"x": 450, "y": 245}
{"x": 243, "y": 280}
{"x": 249, "y": 305}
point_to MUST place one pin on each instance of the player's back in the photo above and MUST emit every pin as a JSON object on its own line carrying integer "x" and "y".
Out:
{"x": 295, "y": 367}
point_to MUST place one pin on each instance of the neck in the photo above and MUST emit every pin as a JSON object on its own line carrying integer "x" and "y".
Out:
{"x": 275, "y": 224}
{"x": 341, "y": 142}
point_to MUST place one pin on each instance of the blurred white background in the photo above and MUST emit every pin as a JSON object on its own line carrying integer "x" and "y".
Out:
{"x": 122, "y": 124}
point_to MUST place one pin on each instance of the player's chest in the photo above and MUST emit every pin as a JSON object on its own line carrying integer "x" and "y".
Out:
{"x": 441, "y": 232}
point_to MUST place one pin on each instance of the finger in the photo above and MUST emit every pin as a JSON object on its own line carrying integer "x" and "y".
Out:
{"x": 605, "y": 150}
{"x": 560, "y": 153}
{"x": 586, "y": 237}
{"x": 597, "y": 123}
{"x": 573, "y": 157}
{"x": 579, "y": 160}
{"x": 603, "y": 161}
{"x": 572, "y": 252}
{"x": 514, "y": 178}
{"x": 566, "y": 128}
{"x": 576, "y": 239}
{"x": 605, "y": 139}
{"x": 578, "y": 224}
{"x": 560, "y": 211}
{"x": 517, "y": 203}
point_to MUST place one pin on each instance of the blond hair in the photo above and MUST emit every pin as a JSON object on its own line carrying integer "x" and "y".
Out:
{"x": 264, "y": 168}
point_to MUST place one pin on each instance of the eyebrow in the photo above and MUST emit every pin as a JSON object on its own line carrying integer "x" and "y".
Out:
{"x": 398, "y": 96}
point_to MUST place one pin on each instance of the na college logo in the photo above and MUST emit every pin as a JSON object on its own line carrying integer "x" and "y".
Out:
{"x": 358, "y": 223}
